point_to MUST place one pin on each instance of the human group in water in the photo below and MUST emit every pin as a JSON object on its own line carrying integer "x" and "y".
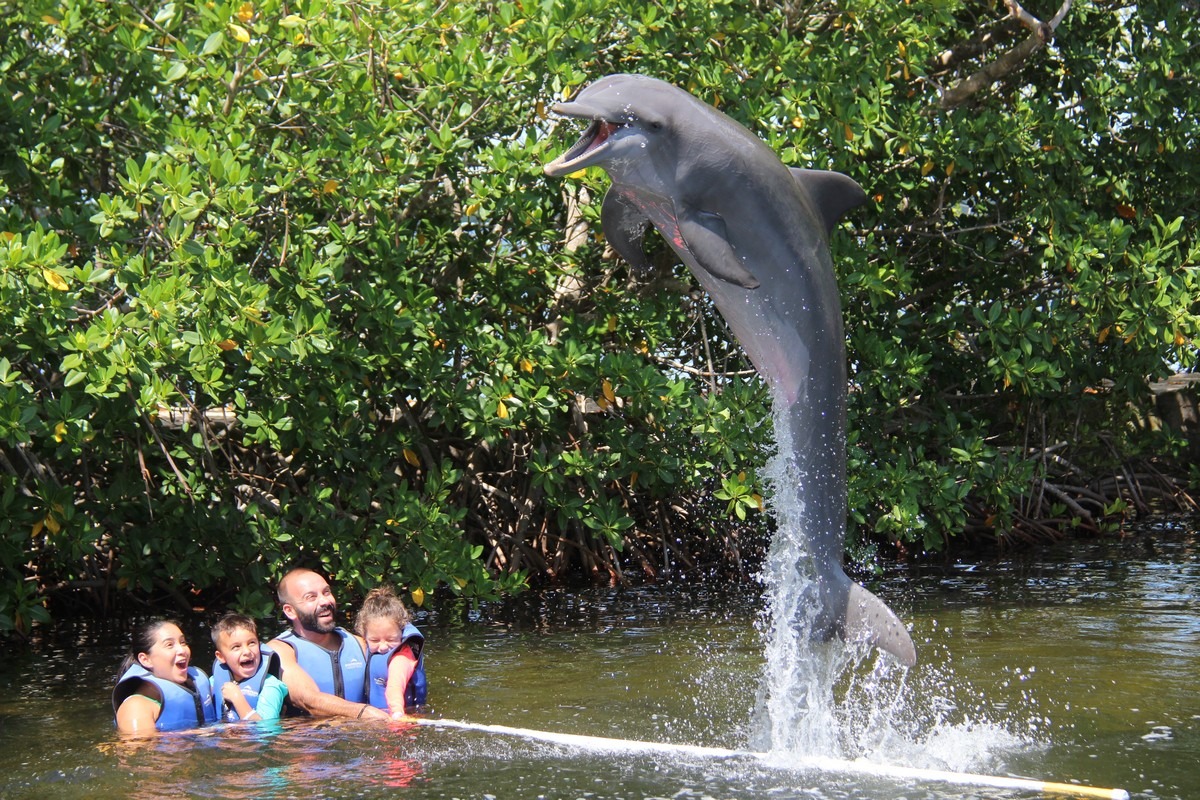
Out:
{"x": 315, "y": 667}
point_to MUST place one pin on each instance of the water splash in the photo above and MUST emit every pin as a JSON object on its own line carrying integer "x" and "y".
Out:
{"x": 796, "y": 712}
{"x": 846, "y": 700}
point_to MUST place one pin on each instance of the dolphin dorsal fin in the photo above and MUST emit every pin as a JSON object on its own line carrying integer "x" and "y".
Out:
{"x": 832, "y": 193}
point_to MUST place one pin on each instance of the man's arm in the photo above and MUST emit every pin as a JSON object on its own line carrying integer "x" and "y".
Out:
{"x": 305, "y": 693}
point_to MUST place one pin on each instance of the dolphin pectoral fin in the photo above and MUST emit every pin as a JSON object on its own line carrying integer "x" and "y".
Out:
{"x": 832, "y": 192}
{"x": 705, "y": 238}
{"x": 867, "y": 617}
{"x": 625, "y": 227}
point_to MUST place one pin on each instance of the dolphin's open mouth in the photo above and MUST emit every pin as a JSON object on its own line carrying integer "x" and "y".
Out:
{"x": 592, "y": 141}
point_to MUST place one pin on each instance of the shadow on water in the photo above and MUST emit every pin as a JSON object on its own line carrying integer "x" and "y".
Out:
{"x": 1079, "y": 663}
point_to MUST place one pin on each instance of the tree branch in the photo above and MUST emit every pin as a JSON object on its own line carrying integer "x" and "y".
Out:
{"x": 1041, "y": 34}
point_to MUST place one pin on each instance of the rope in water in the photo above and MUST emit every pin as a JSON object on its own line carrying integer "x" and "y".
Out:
{"x": 823, "y": 764}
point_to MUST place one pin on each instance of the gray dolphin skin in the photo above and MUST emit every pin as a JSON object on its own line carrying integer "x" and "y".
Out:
{"x": 756, "y": 236}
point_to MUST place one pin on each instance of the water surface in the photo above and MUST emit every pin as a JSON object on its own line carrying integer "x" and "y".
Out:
{"x": 1080, "y": 663}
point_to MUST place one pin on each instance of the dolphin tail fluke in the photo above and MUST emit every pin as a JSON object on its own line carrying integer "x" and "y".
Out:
{"x": 867, "y": 617}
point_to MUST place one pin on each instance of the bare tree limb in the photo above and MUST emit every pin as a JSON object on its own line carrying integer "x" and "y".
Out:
{"x": 1041, "y": 34}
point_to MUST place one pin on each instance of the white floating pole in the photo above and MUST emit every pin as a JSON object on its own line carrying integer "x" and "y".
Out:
{"x": 819, "y": 763}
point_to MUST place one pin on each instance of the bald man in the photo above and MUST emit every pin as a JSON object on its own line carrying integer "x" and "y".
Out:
{"x": 324, "y": 665}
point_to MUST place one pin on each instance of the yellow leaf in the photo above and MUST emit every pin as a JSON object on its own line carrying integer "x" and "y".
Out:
{"x": 903, "y": 49}
{"x": 926, "y": 168}
{"x": 1103, "y": 335}
{"x": 607, "y": 389}
{"x": 227, "y": 344}
{"x": 330, "y": 187}
{"x": 849, "y": 133}
{"x": 55, "y": 280}
{"x": 633, "y": 476}
{"x": 246, "y": 12}
{"x": 60, "y": 431}
{"x": 526, "y": 365}
{"x": 52, "y": 524}
{"x": 462, "y": 582}
{"x": 1180, "y": 339}
{"x": 903, "y": 149}
{"x": 612, "y": 323}
{"x": 797, "y": 122}
{"x": 418, "y": 596}
{"x": 501, "y": 410}
{"x": 540, "y": 109}
{"x": 49, "y": 20}
{"x": 291, "y": 21}
{"x": 239, "y": 33}
{"x": 8, "y": 236}
{"x": 37, "y": 528}
{"x": 757, "y": 498}
{"x": 411, "y": 457}
{"x": 950, "y": 169}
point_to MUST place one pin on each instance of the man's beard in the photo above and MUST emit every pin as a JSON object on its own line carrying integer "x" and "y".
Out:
{"x": 312, "y": 623}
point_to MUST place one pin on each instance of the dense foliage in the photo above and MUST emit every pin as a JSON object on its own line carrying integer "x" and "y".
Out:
{"x": 282, "y": 281}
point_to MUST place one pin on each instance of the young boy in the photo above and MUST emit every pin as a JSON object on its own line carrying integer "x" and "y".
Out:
{"x": 245, "y": 674}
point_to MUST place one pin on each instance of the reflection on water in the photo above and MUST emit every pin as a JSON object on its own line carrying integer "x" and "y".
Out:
{"x": 1080, "y": 664}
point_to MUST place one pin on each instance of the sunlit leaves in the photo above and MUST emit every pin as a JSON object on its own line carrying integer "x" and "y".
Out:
{"x": 331, "y": 226}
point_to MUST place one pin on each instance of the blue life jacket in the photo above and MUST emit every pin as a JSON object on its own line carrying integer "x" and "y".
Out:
{"x": 182, "y": 706}
{"x": 417, "y": 689}
{"x": 267, "y": 665}
{"x": 343, "y": 673}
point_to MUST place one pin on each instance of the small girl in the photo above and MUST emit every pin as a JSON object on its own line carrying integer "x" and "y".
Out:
{"x": 394, "y": 661}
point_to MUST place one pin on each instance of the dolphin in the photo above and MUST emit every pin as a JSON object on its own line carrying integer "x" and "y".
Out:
{"x": 755, "y": 234}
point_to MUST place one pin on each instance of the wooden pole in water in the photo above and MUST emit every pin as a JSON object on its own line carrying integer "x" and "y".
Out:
{"x": 819, "y": 763}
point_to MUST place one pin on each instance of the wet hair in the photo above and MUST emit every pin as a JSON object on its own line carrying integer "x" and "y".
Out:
{"x": 232, "y": 622}
{"x": 381, "y": 603}
{"x": 145, "y": 636}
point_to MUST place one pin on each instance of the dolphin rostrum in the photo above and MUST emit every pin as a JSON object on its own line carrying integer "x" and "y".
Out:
{"x": 756, "y": 236}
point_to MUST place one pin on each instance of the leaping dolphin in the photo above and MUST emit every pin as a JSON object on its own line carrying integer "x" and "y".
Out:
{"x": 756, "y": 236}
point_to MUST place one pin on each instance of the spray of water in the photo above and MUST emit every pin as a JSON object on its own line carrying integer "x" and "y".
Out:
{"x": 843, "y": 700}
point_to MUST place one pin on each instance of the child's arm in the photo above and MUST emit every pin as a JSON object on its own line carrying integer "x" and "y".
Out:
{"x": 233, "y": 695}
{"x": 401, "y": 666}
{"x": 270, "y": 699}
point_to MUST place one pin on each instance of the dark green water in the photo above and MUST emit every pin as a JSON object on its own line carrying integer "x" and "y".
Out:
{"x": 1079, "y": 664}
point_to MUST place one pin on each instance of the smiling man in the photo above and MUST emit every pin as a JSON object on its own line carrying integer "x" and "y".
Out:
{"x": 324, "y": 665}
